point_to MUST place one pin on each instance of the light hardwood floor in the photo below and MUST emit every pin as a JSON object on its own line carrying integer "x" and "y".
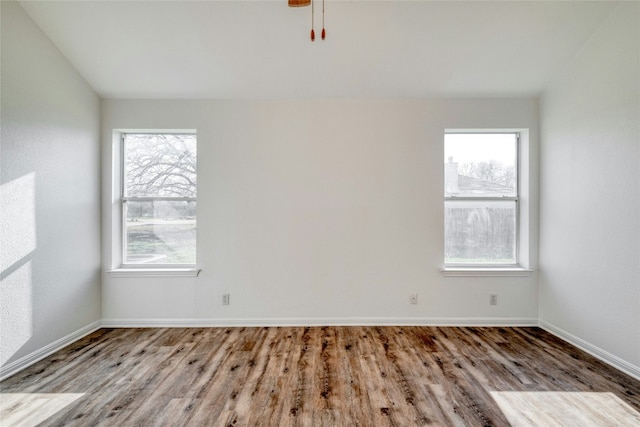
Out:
{"x": 329, "y": 376}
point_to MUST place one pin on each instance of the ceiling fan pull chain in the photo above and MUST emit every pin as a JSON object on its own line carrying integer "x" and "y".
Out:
{"x": 324, "y": 33}
{"x": 313, "y": 33}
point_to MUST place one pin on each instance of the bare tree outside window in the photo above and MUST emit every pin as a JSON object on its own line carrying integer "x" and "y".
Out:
{"x": 162, "y": 165}
{"x": 159, "y": 203}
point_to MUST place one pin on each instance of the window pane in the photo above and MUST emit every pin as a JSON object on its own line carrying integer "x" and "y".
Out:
{"x": 160, "y": 165}
{"x": 480, "y": 232}
{"x": 160, "y": 232}
{"x": 480, "y": 165}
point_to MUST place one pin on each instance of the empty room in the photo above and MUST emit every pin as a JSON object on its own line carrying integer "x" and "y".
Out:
{"x": 320, "y": 213}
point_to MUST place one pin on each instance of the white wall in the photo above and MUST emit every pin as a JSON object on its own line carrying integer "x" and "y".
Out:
{"x": 317, "y": 211}
{"x": 590, "y": 194}
{"x": 49, "y": 191}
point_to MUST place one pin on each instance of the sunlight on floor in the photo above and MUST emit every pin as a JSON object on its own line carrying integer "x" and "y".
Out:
{"x": 565, "y": 409}
{"x": 30, "y": 409}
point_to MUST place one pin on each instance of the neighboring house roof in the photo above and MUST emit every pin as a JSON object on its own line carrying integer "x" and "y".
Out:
{"x": 470, "y": 185}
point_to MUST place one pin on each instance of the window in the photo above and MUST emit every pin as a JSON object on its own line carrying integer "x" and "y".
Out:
{"x": 481, "y": 199}
{"x": 159, "y": 199}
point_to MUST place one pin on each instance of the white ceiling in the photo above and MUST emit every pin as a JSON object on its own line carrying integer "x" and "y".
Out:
{"x": 261, "y": 49}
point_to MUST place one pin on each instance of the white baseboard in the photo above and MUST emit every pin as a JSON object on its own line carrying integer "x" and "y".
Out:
{"x": 8, "y": 370}
{"x": 320, "y": 321}
{"x": 605, "y": 356}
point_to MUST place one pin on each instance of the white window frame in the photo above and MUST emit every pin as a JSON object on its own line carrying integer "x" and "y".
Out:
{"x": 123, "y": 269}
{"x": 521, "y": 265}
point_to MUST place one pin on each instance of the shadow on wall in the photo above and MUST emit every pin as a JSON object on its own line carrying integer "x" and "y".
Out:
{"x": 19, "y": 244}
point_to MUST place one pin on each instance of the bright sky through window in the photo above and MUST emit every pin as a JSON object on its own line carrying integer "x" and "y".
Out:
{"x": 468, "y": 148}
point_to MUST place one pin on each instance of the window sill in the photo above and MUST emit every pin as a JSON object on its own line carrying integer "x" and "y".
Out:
{"x": 486, "y": 272}
{"x": 154, "y": 272}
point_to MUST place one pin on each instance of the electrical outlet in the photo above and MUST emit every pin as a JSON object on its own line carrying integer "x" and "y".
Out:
{"x": 225, "y": 299}
{"x": 413, "y": 298}
{"x": 493, "y": 299}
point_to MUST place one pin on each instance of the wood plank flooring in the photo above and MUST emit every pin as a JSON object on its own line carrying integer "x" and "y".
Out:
{"x": 320, "y": 376}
